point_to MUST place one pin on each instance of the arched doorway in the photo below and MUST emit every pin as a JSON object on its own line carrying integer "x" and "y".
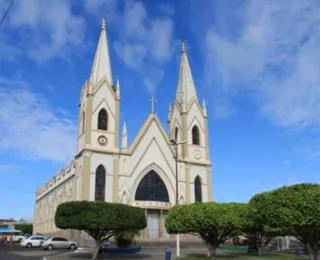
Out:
{"x": 153, "y": 188}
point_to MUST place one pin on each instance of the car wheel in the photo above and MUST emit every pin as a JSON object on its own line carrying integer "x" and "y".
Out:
{"x": 50, "y": 247}
{"x": 29, "y": 245}
{"x": 73, "y": 247}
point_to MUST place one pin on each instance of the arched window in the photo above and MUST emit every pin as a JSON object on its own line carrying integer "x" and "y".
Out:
{"x": 100, "y": 183}
{"x": 83, "y": 122}
{"x": 103, "y": 120}
{"x": 176, "y": 134}
{"x": 197, "y": 189}
{"x": 195, "y": 135}
{"x": 152, "y": 188}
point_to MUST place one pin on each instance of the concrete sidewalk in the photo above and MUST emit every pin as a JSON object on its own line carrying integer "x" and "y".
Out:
{"x": 150, "y": 253}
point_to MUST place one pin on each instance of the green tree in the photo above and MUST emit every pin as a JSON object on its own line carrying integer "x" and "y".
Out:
{"x": 295, "y": 209}
{"x": 255, "y": 228}
{"x": 101, "y": 220}
{"x": 213, "y": 222}
{"x": 25, "y": 228}
{"x": 124, "y": 239}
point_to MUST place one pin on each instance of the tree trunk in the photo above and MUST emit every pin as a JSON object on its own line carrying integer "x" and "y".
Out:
{"x": 98, "y": 245}
{"x": 212, "y": 251}
{"x": 317, "y": 254}
{"x": 259, "y": 250}
{"x": 313, "y": 252}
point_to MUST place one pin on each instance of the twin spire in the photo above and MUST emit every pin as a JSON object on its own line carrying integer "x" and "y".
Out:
{"x": 186, "y": 89}
{"x": 101, "y": 68}
{"x": 101, "y": 65}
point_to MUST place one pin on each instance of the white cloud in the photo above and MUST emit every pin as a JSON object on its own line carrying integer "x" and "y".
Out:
{"x": 144, "y": 43}
{"x": 270, "y": 50}
{"x": 30, "y": 128}
{"x": 5, "y": 168}
{"x": 287, "y": 163}
{"x": 42, "y": 30}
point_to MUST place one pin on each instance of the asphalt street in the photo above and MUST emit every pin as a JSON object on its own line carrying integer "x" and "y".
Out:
{"x": 18, "y": 253}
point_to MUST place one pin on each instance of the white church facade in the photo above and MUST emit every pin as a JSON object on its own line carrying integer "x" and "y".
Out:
{"x": 142, "y": 174}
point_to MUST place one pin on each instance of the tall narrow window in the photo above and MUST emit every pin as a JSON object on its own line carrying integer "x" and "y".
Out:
{"x": 103, "y": 120}
{"x": 176, "y": 134}
{"x": 197, "y": 189}
{"x": 83, "y": 122}
{"x": 152, "y": 188}
{"x": 100, "y": 183}
{"x": 195, "y": 135}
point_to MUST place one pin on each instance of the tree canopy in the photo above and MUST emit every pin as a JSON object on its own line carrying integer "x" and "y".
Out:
{"x": 213, "y": 222}
{"x": 101, "y": 220}
{"x": 25, "y": 228}
{"x": 256, "y": 229}
{"x": 296, "y": 209}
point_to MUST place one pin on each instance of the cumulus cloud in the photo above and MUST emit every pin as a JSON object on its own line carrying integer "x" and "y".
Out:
{"x": 31, "y": 128}
{"x": 5, "y": 168}
{"x": 269, "y": 50}
{"x": 143, "y": 42}
{"x": 42, "y": 30}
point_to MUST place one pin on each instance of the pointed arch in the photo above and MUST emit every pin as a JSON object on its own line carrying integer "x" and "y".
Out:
{"x": 152, "y": 188}
{"x": 100, "y": 183}
{"x": 103, "y": 120}
{"x": 197, "y": 189}
{"x": 125, "y": 167}
{"x": 195, "y": 135}
{"x": 83, "y": 122}
{"x": 176, "y": 133}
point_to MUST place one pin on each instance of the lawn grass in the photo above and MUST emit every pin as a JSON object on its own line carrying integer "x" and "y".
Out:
{"x": 248, "y": 257}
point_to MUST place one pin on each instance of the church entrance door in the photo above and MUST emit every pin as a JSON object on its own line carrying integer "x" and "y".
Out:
{"x": 153, "y": 224}
{"x": 164, "y": 231}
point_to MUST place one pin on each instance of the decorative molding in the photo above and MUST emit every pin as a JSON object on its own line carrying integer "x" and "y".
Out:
{"x": 103, "y": 140}
{"x": 197, "y": 154}
{"x": 99, "y": 107}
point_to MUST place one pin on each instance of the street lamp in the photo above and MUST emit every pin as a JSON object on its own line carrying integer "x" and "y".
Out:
{"x": 173, "y": 142}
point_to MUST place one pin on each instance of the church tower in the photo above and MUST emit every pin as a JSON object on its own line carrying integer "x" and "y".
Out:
{"x": 188, "y": 122}
{"x": 98, "y": 129}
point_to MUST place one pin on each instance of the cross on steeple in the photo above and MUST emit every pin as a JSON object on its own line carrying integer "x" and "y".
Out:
{"x": 152, "y": 100}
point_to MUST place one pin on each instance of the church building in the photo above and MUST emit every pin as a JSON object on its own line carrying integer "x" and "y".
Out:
{"x": 141, "y": 174}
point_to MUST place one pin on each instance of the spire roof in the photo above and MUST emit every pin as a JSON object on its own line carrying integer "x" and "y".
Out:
{"x": 124, "y": 128}
{"x": 186, "y": 89}
{"x": 101, "y": 65}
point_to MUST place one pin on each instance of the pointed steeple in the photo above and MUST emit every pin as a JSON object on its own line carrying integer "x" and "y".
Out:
{"x": 118, "y": 89}
{"x": 186, "y": 89}
{"x": 124, "y": 138}
{"x": 204, "y": 108}
{"x": 101, "y": 65}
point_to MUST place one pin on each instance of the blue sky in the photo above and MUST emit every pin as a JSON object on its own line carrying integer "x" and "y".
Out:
{"x": 255, "y": 62}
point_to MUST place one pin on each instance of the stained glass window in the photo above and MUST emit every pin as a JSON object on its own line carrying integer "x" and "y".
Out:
{"x": 83, "y": 122}
{"x": 176, "y": 134}
{"x": 197, "y": 190}
{"x": 103, "y": 120}
{"x": 100, "y": 183}
{"x": 195, "y": 135}
{"x": 152, "y": 188}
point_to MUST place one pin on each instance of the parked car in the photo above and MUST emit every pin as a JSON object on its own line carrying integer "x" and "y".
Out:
{"x": 33, "y": 241}
{"x": 59, "y": 242}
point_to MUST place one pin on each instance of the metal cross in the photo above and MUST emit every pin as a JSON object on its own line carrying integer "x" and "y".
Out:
{"x": 152, "y": 100}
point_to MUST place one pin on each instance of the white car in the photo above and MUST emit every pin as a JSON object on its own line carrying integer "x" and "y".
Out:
{"x": 33, "y": 241}
{"x": 59, "y": 242}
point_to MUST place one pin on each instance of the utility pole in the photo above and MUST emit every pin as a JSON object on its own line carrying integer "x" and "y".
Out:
{"x": 175, "y": 143}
